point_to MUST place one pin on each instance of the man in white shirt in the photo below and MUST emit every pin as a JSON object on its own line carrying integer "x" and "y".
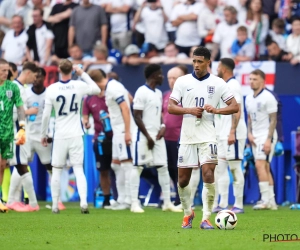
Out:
{"x": 262, "y": 108}
{"x": 149, "y": 144}
{"x": 184, "y": 17}
{"x": 120, "y": 23}
{"x": 231, "y": 144}
{"x": 14, "y": 43}
{"x": 65, "y": 97}
{"x": 225, "y": 33}
{"x": 199, "y": 94}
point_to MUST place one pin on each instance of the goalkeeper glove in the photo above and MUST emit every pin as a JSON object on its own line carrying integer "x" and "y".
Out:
{"x": 21, "y": 136}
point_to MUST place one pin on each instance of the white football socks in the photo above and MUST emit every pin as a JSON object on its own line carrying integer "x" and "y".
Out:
{"x": 135, "y": 183}
{"x": 55, "y": 186}
{"x": 120, "y": 182}
{"x": 27, "y": 183}
{"x": 81, "y": 184}
{"x": 223, "y": 182}
{"x": 264, "y": 191}
{"x": 164, "y": 182}
{"x": 238, "y": 182}
{"x": 127, "y": 167}
{"x": 208, "y": 194}
{"x": 194, "y": 183}
{"x": 15, "y": 187}
{"x": 216, "y": 176}
{"x": 272, "y": 195}
{"x": 185, "y": 198}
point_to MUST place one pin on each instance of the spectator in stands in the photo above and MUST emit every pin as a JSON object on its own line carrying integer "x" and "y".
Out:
{"x": 277, "y": 32}
{"x": 14, "y": 43}
{"x": 100, "y": 60}
{"x": 188, "y": 60}
{"x": 258, "y": 24}
{"x": 269, "y": 8}
{"x": 173, "y": 127}
{"x": 168, "y": 7}
{"x": 10, "y": 8}
{"x": 138, "y": 28}
{"x": 37, "y": 4}
{"x": 184, "y": 17}
{"x": 170, "y": 56}
{"x": 242, "y": 49}
{"x": 276, "y": 53}
{"x": 13, "y": 71}
{"x": 135, "y": 56}
{"x": 120, "y": 22}
{"x": 241, "y": 8}
{"x": 40, "y": 39}
{"x": 154, "y": 18}
{"x": 208, "y": 19}
{"x": 60, "y": 18}
{"x": 88, "y": 24}
{"x": 293, "y": 41}
{"x": 225, "y": 33}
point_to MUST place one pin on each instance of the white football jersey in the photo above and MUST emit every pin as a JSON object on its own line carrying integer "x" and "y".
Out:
{"x": 226, "y": 120}
{"x": 22, "y": 89}
{"x": 66, "y": 98}
{"x": 150, "y": 102}
{"x": 192, "y": 91}
{"x": 115, "y": 94}
{"x": 259, "y": 108}
{"x": 34, "y": 128}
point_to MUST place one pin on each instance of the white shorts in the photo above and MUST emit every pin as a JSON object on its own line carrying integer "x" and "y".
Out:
{"x": 64, "y": 148}
{"x": 233, "y": 152}
{"x": 155, "y": 157}
{"x": 21, "y": 155}
{"x": 189, "y": 155}
{"x": 44, "y": 153}
{"x": 258, "y": 152}
{"x": 120, "y": 150}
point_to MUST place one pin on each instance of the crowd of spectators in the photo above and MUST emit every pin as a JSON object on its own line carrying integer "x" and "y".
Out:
{"x": 103, "y": 33}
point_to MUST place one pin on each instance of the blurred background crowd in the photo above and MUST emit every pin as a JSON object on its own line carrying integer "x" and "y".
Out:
{"x": 104, "y": 33}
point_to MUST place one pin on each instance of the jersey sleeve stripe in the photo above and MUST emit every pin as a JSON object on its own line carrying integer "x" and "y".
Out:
{"x": 228, "y": 98}
{"x": 173, "y": 98}
{"x": 120, "y": 99}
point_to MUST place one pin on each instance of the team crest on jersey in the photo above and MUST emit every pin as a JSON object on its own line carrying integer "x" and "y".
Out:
{"x": 210, "y": 90}
{"x": 9, "y": 94}
{"x": 180, "y": 159}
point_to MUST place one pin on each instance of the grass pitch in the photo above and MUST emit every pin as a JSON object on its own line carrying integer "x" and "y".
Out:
{"x": 104, "y": 229}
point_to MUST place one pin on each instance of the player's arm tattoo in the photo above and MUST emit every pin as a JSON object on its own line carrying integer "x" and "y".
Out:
{"x": 249, "y": 125}
{"x": 235, "y": 119}
{"x": 273, "y": 122}
{"x": 21, "y": 113}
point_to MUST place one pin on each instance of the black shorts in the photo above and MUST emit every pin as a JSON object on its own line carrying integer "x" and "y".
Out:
{"x": 103, "y": 162}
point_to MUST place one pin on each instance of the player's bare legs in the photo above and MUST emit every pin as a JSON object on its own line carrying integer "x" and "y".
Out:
{"x": 272, "y": 201}
{"x": 263, "y": 177}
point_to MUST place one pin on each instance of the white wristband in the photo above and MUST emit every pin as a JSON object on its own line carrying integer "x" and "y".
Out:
{"x": 163, "y": 125}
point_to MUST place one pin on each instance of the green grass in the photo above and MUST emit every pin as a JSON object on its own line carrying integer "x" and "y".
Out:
{"x": 104, "y": 229}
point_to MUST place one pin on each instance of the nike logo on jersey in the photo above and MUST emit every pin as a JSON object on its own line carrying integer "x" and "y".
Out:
{"x": 189, "y": 89}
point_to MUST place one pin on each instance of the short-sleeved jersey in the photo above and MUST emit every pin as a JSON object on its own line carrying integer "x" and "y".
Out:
{"x": 226, "y": 120}
{"x": 115, "y": 94}
{"x": 34, "y": 128}
{"x": 259, "y": 108}
{"x": 150, "y": 102}
{"x": 66, "y": 97}
{"x": 192, "y": 91}
{"x": 9, "y": 97}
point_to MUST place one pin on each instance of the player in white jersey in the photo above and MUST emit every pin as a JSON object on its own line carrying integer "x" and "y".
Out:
{"x": 21, "y": 176}
{"x": 148, "y": 141}
{"x": 117, "y": 100}
{"x": 36, "y": 98}
{"x": 232, "y": 140}
{"x": 65, "y": 97}
{"x": 199, "y": 94}
{"x": 262, "y": 108}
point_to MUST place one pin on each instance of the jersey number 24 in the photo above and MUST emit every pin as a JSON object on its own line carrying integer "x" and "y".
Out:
{"x": 73, "y": 106}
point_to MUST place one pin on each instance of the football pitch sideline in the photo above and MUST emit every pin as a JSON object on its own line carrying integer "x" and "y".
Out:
{"x": 105, "y": 229}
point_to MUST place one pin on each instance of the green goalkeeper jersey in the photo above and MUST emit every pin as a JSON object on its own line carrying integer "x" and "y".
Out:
{"x": 9, "y": 96}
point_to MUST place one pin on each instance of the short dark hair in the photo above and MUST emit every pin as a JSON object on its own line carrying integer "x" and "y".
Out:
{"x": 42, "y": 71}
{"x": 40, "y": 10}
{"x": 30, "y": 66}
{"x": 279, "y": 23}
{"x": 228, "y": 63}
{"x": 259, "y": 72}
{"x": 202, "y": 51}
{"x": 150, "y": 69}
{"x": 13, "y": 66}
{"x": 294, "y": 19}
{"x": 270, "y": 41}
{"x": 183, "y": 68}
